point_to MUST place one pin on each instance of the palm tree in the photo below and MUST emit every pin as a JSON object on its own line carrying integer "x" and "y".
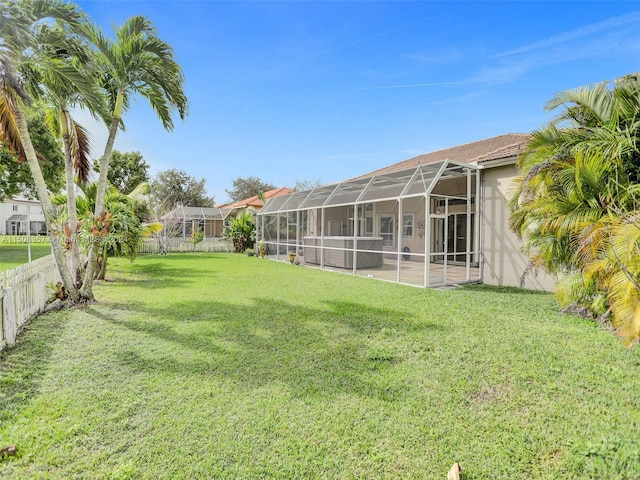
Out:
{"x": 135, "y": 62}
{"x": 60, "y": 97}
{"x": 577, "y": 199}
{"x": 19, "y": 45}
{"x": 119, "y": 225}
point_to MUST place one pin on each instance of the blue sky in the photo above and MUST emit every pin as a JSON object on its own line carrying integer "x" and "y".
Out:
{"x": 330, "y": 90}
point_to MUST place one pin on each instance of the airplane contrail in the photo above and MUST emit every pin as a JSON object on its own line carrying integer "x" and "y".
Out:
{"x": 414, "y": 85}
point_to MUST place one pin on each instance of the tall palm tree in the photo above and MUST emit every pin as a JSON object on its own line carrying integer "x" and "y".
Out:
{"x": 135, "y": 62}
{"x": 60, "y": 97}
{"x": 21, "y": 20}
{"x": 577, "y": 198}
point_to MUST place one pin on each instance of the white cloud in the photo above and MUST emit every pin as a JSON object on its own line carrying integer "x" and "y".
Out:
{"x": 590, "y": 42}
{"x": 505, "y": 73}
{"x": 572, "y": 35}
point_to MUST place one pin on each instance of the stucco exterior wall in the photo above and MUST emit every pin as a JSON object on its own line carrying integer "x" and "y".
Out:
{"x": 9, "y": 207}
{"x": 6, "y": 210}
{"x": 504, "y": 262}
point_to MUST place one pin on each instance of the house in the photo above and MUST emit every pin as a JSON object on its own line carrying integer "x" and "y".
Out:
{"x": 182, "y": 221}
{"x": 21, "y": 216}
{"x": 435, "y": 219}
{"x": 254, "y": 203}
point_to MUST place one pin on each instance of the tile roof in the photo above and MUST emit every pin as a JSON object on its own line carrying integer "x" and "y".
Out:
{"x": 494, "y": 148}
{"x": 255, "y": 201}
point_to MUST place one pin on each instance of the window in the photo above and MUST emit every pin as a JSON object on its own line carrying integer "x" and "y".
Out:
{"x": 387, "y": 230}
{"x": 440, "y": 202}
{"x": 15, "y": 208}
{"x": 408, "y": 220}
{"x": 368, "y": 221}
{"x": 292, "y": 225}
{"x": 365, "y": 221}
{"x": 368, "y": 229}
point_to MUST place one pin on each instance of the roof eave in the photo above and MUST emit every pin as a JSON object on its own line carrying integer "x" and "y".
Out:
{"x": 21, "y": 201}
{"x": 498, "y": 162}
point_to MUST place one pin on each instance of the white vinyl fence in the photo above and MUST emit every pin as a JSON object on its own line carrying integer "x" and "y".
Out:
{"x": 23, "y": 294}
{"x": 161, "y": 245}
{"x": 23, "y": 290}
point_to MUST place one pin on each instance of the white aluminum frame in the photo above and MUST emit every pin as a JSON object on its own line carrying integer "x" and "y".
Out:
{"x": 393, "y": 186}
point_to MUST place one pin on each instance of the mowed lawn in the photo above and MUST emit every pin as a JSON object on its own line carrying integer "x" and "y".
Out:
{"x": 222, "y": 366}
{"x": 14, "y": 252}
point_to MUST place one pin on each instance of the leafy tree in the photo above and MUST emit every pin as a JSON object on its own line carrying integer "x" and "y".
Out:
{"x": 141, "y": 202}
{"x": 197, "y": 236}
{"x": 247, "y": 187}
{"x": 15, "y": 176}
{"x": 577, "y": 201}
{"x": 242, "y": 231}
{"x": 135, "y": 62}
{"x": 175, "y": 187}
{"x": 126, "y": 170}
{"x": 303, "y": 184}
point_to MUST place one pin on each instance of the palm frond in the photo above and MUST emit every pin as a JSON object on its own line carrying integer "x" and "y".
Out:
{"x": 9, "y": 132}
{"x": 139, "y": 193}
{"x": 140, "y": 62}
{"x": 149, "y": 229}
{"x": 585, "y": 106}
{"x": 9, "y": 83}
{"x": 80, "y": 151}
{"x": 576, "y": 204}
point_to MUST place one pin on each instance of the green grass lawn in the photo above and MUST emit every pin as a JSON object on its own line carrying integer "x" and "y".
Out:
{"x": 225, "y": 366}
{"x": 14, "y": 250}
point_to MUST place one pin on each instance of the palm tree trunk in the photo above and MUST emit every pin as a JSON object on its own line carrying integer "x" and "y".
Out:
{"x": 87, "y": 284}
{"x": 103, "y": 265}
{"x": 72, "y": 212}
{"x": 47, "y": 207}
{"x": 106, "y": 158}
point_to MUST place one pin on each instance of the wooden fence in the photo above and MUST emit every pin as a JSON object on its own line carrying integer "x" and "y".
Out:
{"x": 23, "y": 294}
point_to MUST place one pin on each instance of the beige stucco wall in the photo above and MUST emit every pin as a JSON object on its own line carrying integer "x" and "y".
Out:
{"x": 504, "y": 262}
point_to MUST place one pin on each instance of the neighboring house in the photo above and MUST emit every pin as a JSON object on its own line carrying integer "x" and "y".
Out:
{"x": 253, "y": 204}
{"x": 20, "y": 216}
{"x": 436, "y": 219}
{"x": 181, "y": 221}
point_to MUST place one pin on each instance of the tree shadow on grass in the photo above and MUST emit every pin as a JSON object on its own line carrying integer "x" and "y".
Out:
{"x": 176, "y": 265}
{"x": 159, "y": 274}
{"x": 480, "y": 287}
{"x": 313, "y": 351}
{"x": 23, "y": 365}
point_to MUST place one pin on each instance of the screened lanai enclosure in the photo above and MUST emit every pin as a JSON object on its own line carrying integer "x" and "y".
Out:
{"x": 416, "y": 226}
{"x": 181, "y": 221}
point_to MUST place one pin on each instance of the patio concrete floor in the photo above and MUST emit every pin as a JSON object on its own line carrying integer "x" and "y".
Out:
{"x": 411, "y": 272}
